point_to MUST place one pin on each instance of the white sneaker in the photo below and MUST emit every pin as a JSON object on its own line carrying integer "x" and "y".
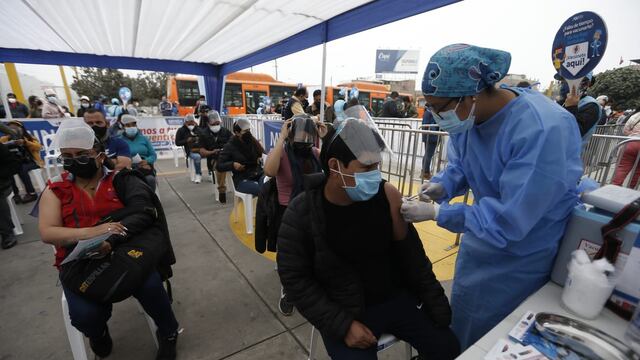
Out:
{"x": 198, "y": 179}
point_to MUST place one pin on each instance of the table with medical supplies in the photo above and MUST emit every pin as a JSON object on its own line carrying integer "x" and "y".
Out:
{"x": 547, "y": 299}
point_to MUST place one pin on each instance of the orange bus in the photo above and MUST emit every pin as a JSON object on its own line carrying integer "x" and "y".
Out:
{"x": 244, "y": 91}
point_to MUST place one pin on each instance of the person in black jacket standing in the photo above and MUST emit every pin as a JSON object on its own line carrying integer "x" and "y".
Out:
{"x": 213, "y": 138}
{"x": 10, "y": 166}
{"x": 242, "y": 155}
{"x": 349, "y": 262}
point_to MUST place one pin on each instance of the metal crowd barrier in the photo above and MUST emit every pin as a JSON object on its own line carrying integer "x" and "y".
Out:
{"x": 599, "y": 156}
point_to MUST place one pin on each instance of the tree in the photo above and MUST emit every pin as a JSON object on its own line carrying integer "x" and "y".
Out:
{"x": 621, "y": 85}
{"x": 147, "y": 87}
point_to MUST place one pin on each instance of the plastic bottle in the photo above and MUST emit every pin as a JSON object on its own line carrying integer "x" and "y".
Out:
{"x": 633, "y": 331}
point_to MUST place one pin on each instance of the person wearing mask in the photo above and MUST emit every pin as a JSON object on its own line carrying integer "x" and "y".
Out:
{"x": 293, "y": 156}
{"x": 260, "y": 110}
{"x": 165, "y": 107}
{"x": 430, "y": 143}
{"x": 117, "y": 129}
{"x": 115, "y": 109}
{"x": 314, "y": 109}
{"x": 10, "y": 166}
{"x": 51, "y": 109}
{"x": 410, "y": 110}
{"x": 26, "y": 149}
{"x": 35, "y": 107}
{"x": 116, "y": 148}
{"x": 519, "y": 153}
{"x": 584, "y": 108}
{"x": 392, "y": 107}
{"x": 85, "y": 104}
{"x": 603, "y": 101}
{"x": 242, "y": 155}
{"x": 213, "y": 139}
{"x": 295, "y": 105}
{"x": 188, "y": 136}
{"x": 132, "y": 107}
{"x": 82, "y": 203}
{"x": 349, "y": 262}
{"x": 143, "y": 155}
{"x": 202, "y": 101}
{"x": 629, "y": 154}
{"x": 339, "y": 108}
{"x": 203, "y": 117}
{"x": 18, "y": 110}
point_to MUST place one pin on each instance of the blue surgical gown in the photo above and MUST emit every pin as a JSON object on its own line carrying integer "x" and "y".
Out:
{"x": 523, "y": 165}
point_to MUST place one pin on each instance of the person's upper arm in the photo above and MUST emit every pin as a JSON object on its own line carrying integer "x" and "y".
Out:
{"x": 49, "y": 214}
{"x": 587, "y": 116}
{"x": 181, "y": 138}
{"x": 122, "y": 148}
{"x": 33, "y": 145}
{"x": 395, "y": 202}
{"x": 151, "y": 152}
{"x": 272, "y": 164}
{"x": 297, "y": 109}
{"x": 452, "y": 178}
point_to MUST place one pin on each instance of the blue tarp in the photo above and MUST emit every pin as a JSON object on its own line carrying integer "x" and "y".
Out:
{"x": 362, "y": 18}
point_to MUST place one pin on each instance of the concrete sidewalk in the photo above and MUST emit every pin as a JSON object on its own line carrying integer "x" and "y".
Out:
{"x": 225, "y": 295}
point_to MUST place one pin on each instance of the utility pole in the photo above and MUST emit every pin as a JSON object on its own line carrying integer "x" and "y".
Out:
{"x": 276, "y": 64}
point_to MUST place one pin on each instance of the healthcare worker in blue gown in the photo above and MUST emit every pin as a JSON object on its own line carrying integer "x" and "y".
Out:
{"x": 519, "y": 153}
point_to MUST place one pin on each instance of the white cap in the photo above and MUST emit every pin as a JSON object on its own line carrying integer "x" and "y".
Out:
{"x": 48, "y": 92}
{"x": 84, "y": 97}
{"x": 128, "y": 119}
{"x": 244, "y": 124}
{"x": 73, "y": 133}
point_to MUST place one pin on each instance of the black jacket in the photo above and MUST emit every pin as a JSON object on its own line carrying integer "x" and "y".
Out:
{"x": 267, "y": 219}
{"x": 390, "y": 109}
{"x": 20, "y": 111}
{"x": 212, "y": 141}
{"x": 323, "y": 288}
{"x": 586, "y": 116}
{"x": 182, "y": 135}
{"x": 249, "y": 156}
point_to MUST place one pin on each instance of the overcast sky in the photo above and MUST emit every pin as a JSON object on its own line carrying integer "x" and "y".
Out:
{"x": 525, "y": 28}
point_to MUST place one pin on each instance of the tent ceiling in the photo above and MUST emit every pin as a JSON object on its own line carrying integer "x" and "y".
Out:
{"x": 207, "y": 31}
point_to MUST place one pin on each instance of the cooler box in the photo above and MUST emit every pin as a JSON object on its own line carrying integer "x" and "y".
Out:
{"x": 584, "y": 232}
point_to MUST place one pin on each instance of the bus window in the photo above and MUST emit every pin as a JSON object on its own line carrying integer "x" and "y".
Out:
{"x": 336, "y": 95}
{"x": 363, "y": 99}
{"x": 253, "y": 99}
{"x": 278, "y": 92}
{"x": 376, "y": 106}
{"x": 188, "y": 92}
{"x": 232, "y": 95}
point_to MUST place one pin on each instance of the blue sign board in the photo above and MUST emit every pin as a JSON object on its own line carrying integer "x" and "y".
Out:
{"x": 125, "y": 94}
{"x": 271, "y": 134}
{"x": 579, "y": 45}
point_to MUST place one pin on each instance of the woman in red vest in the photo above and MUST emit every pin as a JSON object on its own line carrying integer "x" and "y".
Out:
{"x": 70, "y": 208}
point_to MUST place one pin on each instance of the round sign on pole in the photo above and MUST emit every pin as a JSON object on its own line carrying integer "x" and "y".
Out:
{"x": 579, "y": 45}
{"x": 125, "y": 94}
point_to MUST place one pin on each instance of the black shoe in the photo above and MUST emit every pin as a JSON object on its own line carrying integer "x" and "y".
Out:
{"x": 222, "y": 197}
{"x": 29, "y": 198}
{"x": 17, "y": 199}
{"x": 9, "y": 241}
{"x": 102, "y": 345}
{"x": 167, "y": 347}
{"x": 417, "y": 357}
{"x": 286, "y": 308}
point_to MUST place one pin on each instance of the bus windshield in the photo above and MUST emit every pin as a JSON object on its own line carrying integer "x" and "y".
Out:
{"x": 188, "y": 92}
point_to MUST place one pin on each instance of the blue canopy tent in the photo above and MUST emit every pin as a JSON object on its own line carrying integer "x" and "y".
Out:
{"x": 208, "y": 38}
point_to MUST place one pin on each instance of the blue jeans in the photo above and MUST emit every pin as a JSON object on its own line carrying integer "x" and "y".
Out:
{"x": 429, "y": 151}
{"x": 196, "y": 162}
{"x": 91, "y": 317}
{"x": 401, "y": 318}
{"x": 250, "y": 186}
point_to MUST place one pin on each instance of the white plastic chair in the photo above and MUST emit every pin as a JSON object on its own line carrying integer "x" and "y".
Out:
{"x": 384, "y": 342}
{"x": 176, "y": 150}
{"x": 17, "y": 226}
{"x": 247, "y": 201}
{"x": 36, "y": 179}
{"x": 51, "y": 155}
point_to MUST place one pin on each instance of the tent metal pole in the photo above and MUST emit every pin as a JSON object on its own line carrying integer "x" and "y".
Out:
{"x": 322, "y": 81}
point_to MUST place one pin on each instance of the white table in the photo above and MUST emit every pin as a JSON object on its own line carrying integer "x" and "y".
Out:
{"x": 547, "y": 299}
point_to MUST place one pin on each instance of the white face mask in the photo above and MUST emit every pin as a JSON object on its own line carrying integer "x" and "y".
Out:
{"x": 84, "y": 105}
{"x": 191, "y": 127}
{"x": 215, "y": 128}
{"x": 51, "y": 99}
{"x": 11, "y": 100}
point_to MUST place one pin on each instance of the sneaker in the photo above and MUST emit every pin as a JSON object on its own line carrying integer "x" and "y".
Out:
{"x": 286, "y": 308}
{"x": 167, "y": 347}
{"x": 198, "y": 179}
{"x": 102, "y": 345}
{"x": 222, "y": 197}
{"x": 9, "y": 241}
{"x": 29, "y": 198}
{"x": 17, "y": 199}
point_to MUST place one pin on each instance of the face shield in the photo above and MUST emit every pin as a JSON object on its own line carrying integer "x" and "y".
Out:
{"x": 73, "y": 134}
{"x": 361, "y": 135}
{"x": 303, "y": 130}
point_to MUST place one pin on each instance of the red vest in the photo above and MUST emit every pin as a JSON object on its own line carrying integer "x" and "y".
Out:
{"x": 79, "y": 209}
